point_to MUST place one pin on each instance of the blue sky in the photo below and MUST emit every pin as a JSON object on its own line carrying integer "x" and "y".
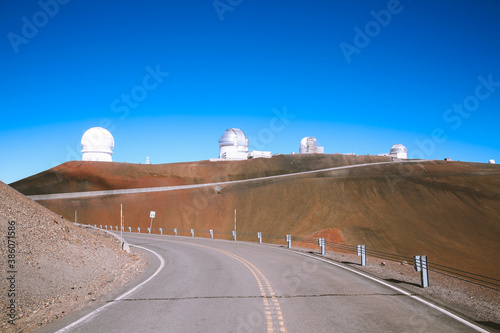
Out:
{"x": 167, "y": 78}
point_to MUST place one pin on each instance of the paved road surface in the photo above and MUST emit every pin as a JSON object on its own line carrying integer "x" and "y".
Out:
{"x": 223, "y": 286}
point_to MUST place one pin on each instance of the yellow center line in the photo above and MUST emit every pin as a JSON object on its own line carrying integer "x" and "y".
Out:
{"x": 261, "y": 281}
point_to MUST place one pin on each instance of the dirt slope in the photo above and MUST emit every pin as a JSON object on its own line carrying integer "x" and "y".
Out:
{"x": 56, "y": 268}
{"x": 449, "y": 211}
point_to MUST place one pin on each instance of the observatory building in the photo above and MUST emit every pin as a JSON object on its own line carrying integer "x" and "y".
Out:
{"x": 397, "y": 151}
{"x": 491, "y": 161}
{"x": 97, "y": 145}
{"x": 309, "y": 145}
{"x": 233, "y": 145}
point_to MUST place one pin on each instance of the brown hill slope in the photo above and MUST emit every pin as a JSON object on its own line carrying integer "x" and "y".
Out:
{"x": 79, "y": 176}
{"x": 449, "y": 211}
{"x": 57, "y": 267}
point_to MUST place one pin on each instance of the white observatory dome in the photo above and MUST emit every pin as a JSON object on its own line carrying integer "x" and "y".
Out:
{"x": 233, "y": 144}
{"x": 97, "y": 145}
{"x": 491, "y": 161}
{"x": 309, "y": 145}
{"x": 399, "y": 151}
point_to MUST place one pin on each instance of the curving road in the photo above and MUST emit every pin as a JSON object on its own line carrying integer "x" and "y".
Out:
{"x": 223, "y": 286}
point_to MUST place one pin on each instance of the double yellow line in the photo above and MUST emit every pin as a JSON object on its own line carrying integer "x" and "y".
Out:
{"x": 266, "y": 290}
{"x": 272, "y": 306}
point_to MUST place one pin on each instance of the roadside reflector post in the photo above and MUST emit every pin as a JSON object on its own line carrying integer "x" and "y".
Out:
{"x": 361, "y": 249}
{"x": 139, "y": 229}
{"x": 321, "y": 243}
{"x": 289, "y": 240}
{"x": 161, "y": 231}
{"x": 175, "y": 231}
{"x": 416, "y": 263}
{"x": 212, "y": 233}
{"x": 192, "y": 232}
{"x": 259, "y": 236}
{"x": 422, "y": 267}
{"x": 129, "y": 229}
{"x": 234, "y": 235}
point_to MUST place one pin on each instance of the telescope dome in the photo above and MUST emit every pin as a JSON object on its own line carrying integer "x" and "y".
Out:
{"x": 97, "y": 145}
{"x": 233, "y": 137}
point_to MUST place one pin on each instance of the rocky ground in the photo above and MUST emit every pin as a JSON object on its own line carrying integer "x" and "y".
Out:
{"x": 56, "y": 267}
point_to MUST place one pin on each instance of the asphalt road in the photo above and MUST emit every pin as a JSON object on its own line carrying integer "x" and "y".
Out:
{"x": 223, "y": 286}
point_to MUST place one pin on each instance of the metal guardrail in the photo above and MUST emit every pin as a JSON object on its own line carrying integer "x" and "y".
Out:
{"x": 420, "y": 262}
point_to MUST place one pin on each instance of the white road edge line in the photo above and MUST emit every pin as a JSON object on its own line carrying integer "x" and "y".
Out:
{"x": 446, "y": 312}
{"x": 96, "y": 311}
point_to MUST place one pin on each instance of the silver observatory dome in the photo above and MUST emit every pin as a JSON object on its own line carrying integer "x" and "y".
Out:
{"x": 234, "y": 137}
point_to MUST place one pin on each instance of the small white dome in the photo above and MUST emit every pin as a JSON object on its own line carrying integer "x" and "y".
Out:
{"x": 398, "y": 148}
{"x": 491, "y": 161}
{"x": 309, "y": 145}
{"x": 97, "y": 145}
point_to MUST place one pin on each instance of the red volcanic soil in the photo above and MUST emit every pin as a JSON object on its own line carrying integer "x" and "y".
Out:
{"x": 449, "y": 211}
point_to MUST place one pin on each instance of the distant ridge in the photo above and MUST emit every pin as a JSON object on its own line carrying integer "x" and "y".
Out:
{"x": 449, "y": 211}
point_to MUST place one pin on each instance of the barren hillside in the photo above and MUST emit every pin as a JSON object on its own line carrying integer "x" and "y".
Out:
{"x": 449, "y": 211}
{"x": 53, "y": 266}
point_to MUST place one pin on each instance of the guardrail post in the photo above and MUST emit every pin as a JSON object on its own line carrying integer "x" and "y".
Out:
{"x": 422, "y": 267}
{"x": 149, "y": 231}
{"x": 362, "y": 252}
{"x": 234, "y": 235}
{"x": 212, "y": 233}
{"x": 321, "y": 243}
{"x": 129, "y": 229}
{"x": 106, "y": 227}
{"x": 139, "y": 229}
{"x": 192, "y": 232}
{"x": 122, "y": 228}
{"x": 175, "y": 231}
{"x": 259, "y": 236}
{"x": 95, "y": 225}
{"x": 289, "y": 240}
{"x": 100, "y": 226}
{"x": 161, "y": 231}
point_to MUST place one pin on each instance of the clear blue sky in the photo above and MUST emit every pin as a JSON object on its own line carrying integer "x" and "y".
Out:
{"x": 360, "y": 76}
